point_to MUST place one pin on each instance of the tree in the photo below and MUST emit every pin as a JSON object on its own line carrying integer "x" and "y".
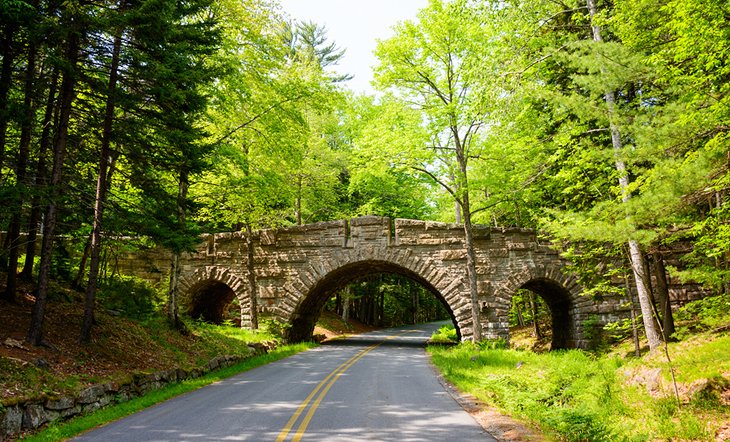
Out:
{"x": 74, "y": 24}
{"x": 442, "y": 66}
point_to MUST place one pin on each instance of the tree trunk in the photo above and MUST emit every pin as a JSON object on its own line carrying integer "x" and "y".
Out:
{"x": 6, "y": 80}
{"x": 662, "y": 294}
{"x": 40, "y": 179}
{"x": 252, "y": 291}
{"x": 101, "y": 187}
{"x": 635, "y": 253}
{"x": 21, "y": 173}
{"x": 632, "y": 309}
{"x": 520, "y": 318}
{"x": 647, "y": 309}
{"x": 76, "y": 284}
{"x": 173, "y": 295}
{"x": 535, "y": 324}
{"x": 299, "y": 200}
{"x": 346, "y": 303}
{"x": 471, "y": 259}
{"x": 35, "y": 332}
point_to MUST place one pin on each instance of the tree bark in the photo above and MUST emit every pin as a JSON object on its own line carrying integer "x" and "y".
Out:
{"x": 535, "y": 324}
{"x": 251, "y": 271}
{"x": 21, "y": 173}
{"x": 662, "y": 294}
{"x": 40, "y": 179}
{"x": 471, "y": 257}
{"x": 67, "y": 96}
{"x": 173, "y": 294}
{"x": 299, "y": 200}
{"x": 635, "y": 254}
{"x": 6, "y": 73}
{"x": 346, "y": 303}
{"x": 101, "y": 187}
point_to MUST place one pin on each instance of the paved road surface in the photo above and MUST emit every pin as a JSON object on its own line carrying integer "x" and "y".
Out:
{"x": 377, "y": 386}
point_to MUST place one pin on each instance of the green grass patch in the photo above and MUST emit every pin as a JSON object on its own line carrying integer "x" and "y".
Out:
{"x": 64, "y": 430}
{"x": 445, "y": 334}
{"x": 578, "y": 396}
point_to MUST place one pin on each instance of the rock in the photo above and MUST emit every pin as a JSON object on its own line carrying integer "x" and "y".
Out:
{"x": 41, "y": 363}
{"x": 14, "y": 343}
{"x": 36, "y": 415}
{"x": 91, "y": 394}
{"x": 59, "y": 404}
{"x": 11, "y": 421}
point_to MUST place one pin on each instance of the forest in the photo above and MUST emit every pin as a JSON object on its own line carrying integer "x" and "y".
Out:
{"x": 603, "y": 124}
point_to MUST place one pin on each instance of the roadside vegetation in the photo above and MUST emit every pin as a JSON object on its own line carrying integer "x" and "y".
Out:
{"x": 64, "y": 430}
{"x": 609, "y": 395}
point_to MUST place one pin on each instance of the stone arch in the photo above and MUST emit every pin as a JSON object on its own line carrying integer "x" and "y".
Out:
{"x": 307, "y": 294}
{"x": 560, "y": 292}
{"x": 207, "y": 291}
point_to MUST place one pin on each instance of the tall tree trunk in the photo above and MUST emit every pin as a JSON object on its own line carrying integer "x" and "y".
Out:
{"x": 21, "y": 166}
{"x": 40, "y": 179}
{"x": 632, "y": 310}
{"x": 535, "y": 324}
{"x": 520, "y": 318}
{"x": 635, "y": 253}
{"x": 299, "y": 200}
{"x": 662, "y": 294}
{"x": 6, "y": 80}
{"x": 76, "y": 284}
{"x": 101, "y": 187}
{"x": 251, "y": 271}
{"x": 173, "y": 294}
{"x": 471, "y": 256}
{"x": 35, "y": 332}
{"x": 346, "y": 303}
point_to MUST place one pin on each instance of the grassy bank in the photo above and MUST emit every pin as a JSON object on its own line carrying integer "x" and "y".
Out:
{"x": 65, "y": 430}
{"x": 579, "y": 396}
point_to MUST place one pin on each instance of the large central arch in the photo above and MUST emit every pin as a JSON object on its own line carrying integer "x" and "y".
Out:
{"x": 310, "y": 307}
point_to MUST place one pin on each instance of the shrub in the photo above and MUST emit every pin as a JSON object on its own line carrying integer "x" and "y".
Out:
{"x": 129, "y": 296}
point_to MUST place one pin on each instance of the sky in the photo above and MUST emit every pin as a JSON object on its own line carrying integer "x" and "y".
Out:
{"x": 355, "y": 25}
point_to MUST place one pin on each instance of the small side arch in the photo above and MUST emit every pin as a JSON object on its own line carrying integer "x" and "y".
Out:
{"x": 561, "y": 293}
{"x": 208, "y": 291}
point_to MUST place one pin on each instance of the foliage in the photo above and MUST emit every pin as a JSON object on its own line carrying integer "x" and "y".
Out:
{"x": 445, "y": 333}
{"x": 702, "y": 315}
{"x": 388, "y": 300}
{"x": 576, "y": 396}
{"x": 130, "y": 296}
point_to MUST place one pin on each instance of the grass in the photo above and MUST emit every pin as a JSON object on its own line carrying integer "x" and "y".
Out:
{"x": 444, "y": 335}
{"x": 76, "y": 426}
{"x": 580, "y": 396}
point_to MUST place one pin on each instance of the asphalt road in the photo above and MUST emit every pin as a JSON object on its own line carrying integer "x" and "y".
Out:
{"x": 377, "y": 386}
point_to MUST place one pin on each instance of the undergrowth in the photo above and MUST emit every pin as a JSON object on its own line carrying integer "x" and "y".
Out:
{"x": 579, "y": 396}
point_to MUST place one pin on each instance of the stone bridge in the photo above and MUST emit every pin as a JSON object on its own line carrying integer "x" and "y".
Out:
{"x": 297, "y": 269}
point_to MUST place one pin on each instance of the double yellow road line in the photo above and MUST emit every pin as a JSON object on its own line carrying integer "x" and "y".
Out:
{"x": 318, "y": 394}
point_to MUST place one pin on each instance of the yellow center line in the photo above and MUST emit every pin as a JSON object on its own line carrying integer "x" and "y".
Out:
{"x": 290, "y": 424}
{"x": 324, "y": 386}
{"x": 305, "y": 422}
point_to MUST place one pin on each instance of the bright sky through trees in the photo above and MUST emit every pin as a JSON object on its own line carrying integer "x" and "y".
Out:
{"x": 355, "y": 25}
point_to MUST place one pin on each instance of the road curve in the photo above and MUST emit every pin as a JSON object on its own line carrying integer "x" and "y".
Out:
{"x": 376, "y": 386}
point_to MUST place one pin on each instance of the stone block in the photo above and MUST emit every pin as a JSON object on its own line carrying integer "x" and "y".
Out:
{"x": 11, "y": 421}
{"x": 91, "y": 394}
{"x": 36, "y": 415}
{"x": 451, "y": 255}
{"x": 61, "y": 403}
